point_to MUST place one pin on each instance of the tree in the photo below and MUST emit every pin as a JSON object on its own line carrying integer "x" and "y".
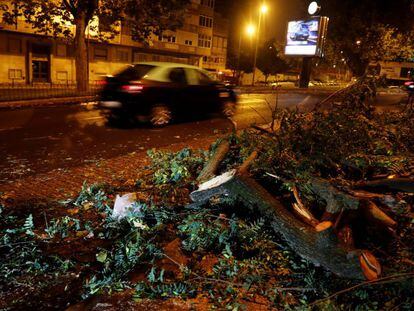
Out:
{"x": 269, "y": 62}
{"x": 366, "y": 30}
{"x": 56, "y": 17}
{"x": 240, "y": 62}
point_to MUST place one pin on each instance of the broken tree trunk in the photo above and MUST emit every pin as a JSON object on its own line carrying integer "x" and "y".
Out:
{"x": 336, "y": 200}
{"x": 389, "y": 185}
{"x": 210, "y": 169}
{"x": 374, "y": 213}
{"x": 301, "y": 211}
{"x": 321, "y": 248}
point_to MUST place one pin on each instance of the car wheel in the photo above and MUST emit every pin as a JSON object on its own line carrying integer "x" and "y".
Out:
{"x": 160, "y": 115}
{"x": 229, "y": 109}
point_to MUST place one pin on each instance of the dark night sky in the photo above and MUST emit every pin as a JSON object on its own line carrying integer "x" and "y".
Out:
{"x": 398, "y": 13}
{"x": 241, "y": 12}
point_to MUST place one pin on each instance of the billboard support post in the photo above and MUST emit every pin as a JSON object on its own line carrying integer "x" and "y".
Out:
{"x": 305, "y": 73}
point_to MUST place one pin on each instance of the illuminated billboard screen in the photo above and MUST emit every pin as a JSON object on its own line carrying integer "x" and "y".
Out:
{"x": 306, "y": 37}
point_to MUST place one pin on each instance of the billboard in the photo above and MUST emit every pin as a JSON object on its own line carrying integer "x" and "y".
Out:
{"x": 306, "y": 37}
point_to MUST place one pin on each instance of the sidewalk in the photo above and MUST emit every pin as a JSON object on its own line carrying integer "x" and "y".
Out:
{"x": 61, "y": 184}
{"x": 46, "y": 102}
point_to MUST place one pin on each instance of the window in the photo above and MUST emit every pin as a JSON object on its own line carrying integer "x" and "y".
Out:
{"x": 15, "y": 74}
{"x": 165, "y": 38}
{"x": 203, "y": 78}
{"x": 100, "y": 54}
{"x": 204, "y": 41}
{"x": 209, "y": 3}
{"x": 206, "y": 21}
{"x": 40, "y": 70}
{"x": 188, "y": 42}
{"x": 177, "y": 75}
{"x": 134, "y": 72}
{"x": 62, "y": 76}
{"x": 122, "y": 56}
{"x": 406, "y": 72}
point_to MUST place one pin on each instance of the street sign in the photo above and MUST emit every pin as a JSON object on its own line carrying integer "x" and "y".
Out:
{"x": 313, "y": 8}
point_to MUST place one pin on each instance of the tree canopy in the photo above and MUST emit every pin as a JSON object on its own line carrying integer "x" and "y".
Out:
{"x": 366, "y": 30}
{"x": 269, "y": 61}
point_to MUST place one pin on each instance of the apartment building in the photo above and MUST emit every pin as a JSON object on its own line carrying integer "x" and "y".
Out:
{"x": 29, "y": 57}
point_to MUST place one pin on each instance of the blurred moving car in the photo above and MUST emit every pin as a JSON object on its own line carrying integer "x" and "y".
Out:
{"x": 162, "y": 91}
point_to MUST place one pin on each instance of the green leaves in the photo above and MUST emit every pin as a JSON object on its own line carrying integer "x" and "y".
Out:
{"x": 102, "y": 256}
{"x": 175, "y": 168}
{"x": 28, "y": 225}
{"x": 63, "y": 226}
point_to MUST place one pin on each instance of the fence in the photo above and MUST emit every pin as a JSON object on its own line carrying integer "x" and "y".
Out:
{"x": 17, "y": 92}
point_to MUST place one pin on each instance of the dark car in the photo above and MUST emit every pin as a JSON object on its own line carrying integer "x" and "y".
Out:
{"x": 162, "y": 91}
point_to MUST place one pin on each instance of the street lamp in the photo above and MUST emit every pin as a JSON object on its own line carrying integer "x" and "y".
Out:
{"x": 250, "y": 31}
{"x": 263, "y": 10}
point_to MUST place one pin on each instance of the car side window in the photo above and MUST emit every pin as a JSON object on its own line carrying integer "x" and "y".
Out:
{"x": 177, "y": 75}
{"x": 192, "y": 76}
{"x": 203, "y": 79}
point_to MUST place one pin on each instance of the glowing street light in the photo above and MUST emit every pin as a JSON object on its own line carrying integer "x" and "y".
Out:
{"x": 250, "y": 30}
{"x": 263, "y": 9}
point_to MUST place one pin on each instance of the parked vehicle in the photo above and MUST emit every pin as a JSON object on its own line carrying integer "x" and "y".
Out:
{"x": 409, "y": 86}
{"x": 162, "y": 91}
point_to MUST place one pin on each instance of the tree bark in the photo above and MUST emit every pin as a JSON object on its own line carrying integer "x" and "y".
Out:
{"x": 321, "y": 248}
{"x": 81, "y": 61}
{"x": 389, "y": 185}
{"x": 374, "y": 213}
{"x": 212, "y": 165}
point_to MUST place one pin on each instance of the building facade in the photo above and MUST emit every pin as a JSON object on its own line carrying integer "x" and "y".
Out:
{"x": 28, "y": 57}
{"x": 396, "y": 72}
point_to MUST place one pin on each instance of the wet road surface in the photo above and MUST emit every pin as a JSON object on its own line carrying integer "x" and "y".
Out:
{"x": 37, "y": 140}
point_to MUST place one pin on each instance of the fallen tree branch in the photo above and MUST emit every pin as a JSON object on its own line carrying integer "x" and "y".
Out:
{"x": 243, "y": 169}
{"x": 388, "y": 185}
{"x": 301, "y": 211}
{"x": 374, "y": 213}
{"x": 212, "y": 165}
{"x": 335, "y": 199}
{"x": 321, "y": 248}
{"x": 384, "y": 280}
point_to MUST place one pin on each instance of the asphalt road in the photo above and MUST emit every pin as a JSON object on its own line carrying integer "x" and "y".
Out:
{"x": 38, "y": 140}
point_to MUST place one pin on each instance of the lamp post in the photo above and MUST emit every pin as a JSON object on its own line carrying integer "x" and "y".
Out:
{"x": 250, "y": 30}
{"x": 263, "y": 10}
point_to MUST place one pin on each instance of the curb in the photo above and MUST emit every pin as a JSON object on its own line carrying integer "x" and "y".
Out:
{"x": 47, "y": 102}
{"x": 51, "y": 102}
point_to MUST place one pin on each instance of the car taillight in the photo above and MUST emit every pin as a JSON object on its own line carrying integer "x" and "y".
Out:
{"x": 102, "y": 83}
{"x": 409, "y": 83}
{"x": 132, "y": 88}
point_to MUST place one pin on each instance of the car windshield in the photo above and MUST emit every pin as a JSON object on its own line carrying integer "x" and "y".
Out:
{"x": 134, "y": 72}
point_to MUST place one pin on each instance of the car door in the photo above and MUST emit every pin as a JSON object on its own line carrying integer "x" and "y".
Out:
{"x": 203, "y": 90}
{"x": 178, "y": 89}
